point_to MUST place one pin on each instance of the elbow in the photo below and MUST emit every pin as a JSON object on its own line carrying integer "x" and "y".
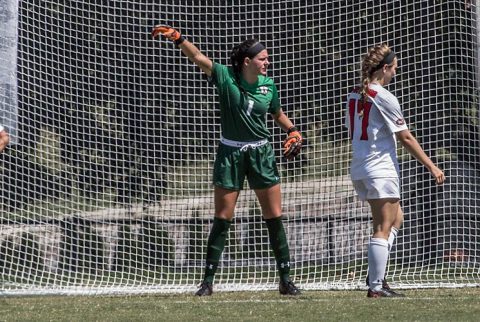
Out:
{"x": 407, "y": 141}
{"x": 405, "y": 137}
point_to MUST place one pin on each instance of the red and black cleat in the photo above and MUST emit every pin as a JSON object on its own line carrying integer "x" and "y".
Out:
{"x": 387, "y": 287}
{"x": 383, "y": 293}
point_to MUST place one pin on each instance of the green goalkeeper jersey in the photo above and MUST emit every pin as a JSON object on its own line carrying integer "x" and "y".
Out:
{"x": 243, "y": 106}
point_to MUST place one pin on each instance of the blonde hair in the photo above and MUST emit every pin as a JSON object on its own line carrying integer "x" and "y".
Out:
{"x": 371, "y": 63}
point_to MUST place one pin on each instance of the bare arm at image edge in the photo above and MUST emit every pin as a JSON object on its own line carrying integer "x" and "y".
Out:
{"x": 4, "y": 138}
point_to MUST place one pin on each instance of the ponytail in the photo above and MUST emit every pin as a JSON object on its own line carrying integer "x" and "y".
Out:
{"x": 374, "y": 60}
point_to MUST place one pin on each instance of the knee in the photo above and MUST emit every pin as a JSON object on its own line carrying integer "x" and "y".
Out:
{"x": 398, "y": 219}
{"x": 272, "y": 211}
{"x": 225, "y": 212}
{"x": 225, "y": 215}
{"x": 272, "y": 215}
{"x": 382, "y": 230}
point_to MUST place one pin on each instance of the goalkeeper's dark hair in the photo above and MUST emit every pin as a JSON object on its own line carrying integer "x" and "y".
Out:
{"x": 375, "y": 59}
{"x": 238, "y": 55}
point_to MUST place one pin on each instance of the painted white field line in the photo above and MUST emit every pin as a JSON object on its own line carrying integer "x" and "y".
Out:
{"x": 293, "y": 300}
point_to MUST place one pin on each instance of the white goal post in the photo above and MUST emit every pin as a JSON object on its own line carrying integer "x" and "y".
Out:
{"x": 106, "y": 187}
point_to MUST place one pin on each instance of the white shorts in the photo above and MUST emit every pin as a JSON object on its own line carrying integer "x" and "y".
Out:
{"x": 377, "y": 188}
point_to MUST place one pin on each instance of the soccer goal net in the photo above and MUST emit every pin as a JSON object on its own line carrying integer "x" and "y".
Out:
{"x": 106, "y": 185}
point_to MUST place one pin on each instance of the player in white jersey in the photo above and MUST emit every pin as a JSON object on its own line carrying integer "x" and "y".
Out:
{"x": 375, "y": 121}
{"x": 4, "y": 138}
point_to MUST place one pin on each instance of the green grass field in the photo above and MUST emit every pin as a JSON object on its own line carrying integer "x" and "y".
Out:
{"x": 419, "y": 305}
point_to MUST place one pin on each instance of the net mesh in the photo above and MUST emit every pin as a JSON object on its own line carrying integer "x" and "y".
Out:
{"x": 108, "y": 186}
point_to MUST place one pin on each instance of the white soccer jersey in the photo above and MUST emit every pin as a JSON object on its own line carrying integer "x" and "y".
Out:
{"x": 372, "y": 125}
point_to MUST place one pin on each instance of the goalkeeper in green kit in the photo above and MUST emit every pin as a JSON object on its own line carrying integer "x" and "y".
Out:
{"x": 245, "y": 96}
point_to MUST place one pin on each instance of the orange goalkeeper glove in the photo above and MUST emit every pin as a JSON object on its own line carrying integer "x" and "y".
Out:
{"x": 292, "y": 144}
{"x": 169, "y": 33}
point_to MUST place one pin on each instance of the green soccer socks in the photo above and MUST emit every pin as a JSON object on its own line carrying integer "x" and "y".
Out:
{"x": 215, "y": 246}
{"x": 279, "y": 244}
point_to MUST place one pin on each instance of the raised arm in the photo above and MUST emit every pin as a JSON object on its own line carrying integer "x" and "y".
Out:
{"x": 188, "y": 48}
{"x": 413, "y": 147}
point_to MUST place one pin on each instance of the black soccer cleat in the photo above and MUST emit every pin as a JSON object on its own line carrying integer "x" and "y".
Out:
{"x": 385, "y": 286}
{"x": 288, "y": 288}
{"x": 206, "y": 289}
{"x": 383, "y": 293}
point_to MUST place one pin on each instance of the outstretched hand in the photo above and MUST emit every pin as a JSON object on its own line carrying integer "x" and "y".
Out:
{"x": 168, "y": 32}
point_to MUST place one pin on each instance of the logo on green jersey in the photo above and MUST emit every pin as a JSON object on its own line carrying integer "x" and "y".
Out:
{"x": 263, "y": 90}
